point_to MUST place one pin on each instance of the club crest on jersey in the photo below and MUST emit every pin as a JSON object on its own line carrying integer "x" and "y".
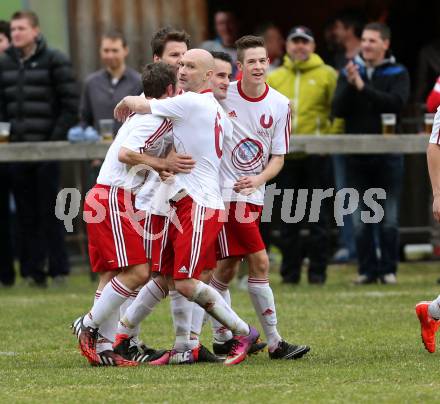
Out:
{"x": 264, "y": 124}
{"x": 247, "y": 154}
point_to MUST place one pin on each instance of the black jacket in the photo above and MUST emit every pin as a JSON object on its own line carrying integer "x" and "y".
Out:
{"x": 39, "y": 95}
{"x": 387, "y": 90}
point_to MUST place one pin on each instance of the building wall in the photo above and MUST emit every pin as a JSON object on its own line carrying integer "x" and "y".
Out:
{"x": 53, "y": 21}
{"x": 137, "y": 19}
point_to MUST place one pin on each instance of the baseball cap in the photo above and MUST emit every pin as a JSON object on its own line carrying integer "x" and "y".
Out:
{"x": 300, "y": 32}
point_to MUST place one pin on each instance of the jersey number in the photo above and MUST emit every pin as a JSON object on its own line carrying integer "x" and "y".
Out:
{"x": 218, "y": 132}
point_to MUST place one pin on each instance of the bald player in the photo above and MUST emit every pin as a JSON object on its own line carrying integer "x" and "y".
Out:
{"x": 168, "y": 45}
{"x": 200, "y": 126}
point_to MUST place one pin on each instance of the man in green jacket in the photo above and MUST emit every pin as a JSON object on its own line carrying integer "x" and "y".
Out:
{"x": 309, "y": 84}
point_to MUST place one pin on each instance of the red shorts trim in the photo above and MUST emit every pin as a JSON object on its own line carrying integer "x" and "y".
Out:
{"x": 113, "y": 229}
{"x": 211, "y": 258}
{"x": 189, "y": 244}
{"x": 155, "y": 237}
{"x": 240, "y": 235}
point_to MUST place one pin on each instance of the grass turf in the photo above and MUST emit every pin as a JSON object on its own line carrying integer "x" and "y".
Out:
{"x": 365, "y": 348}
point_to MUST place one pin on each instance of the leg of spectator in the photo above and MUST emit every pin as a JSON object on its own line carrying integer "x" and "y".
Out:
{"x": 7, "y": 274}
{"x": 346, "y": 239}
{"x": 359, "y": 173}
{"x": 318, "y": 169}
{"x": 389, "y": 227}
{"x": 290, "y": 243}
{"x": 31, "y": 239}
{"x": 56, "y": 249}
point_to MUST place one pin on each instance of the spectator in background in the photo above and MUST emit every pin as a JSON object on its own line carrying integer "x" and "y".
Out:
{"x": 428, "y": 69}
{"x": 348, "y": 27}
{"x": 309, "y": 84}
{"x": 347, "y": 30}
{"x": 433, "y": 100}
{"x": 7, "y": 274}
{"x": 370, "y": 85}
{"x": 275, "y": 44}
{"x": 331, "y": 45}
{"x": 5, "y": 35}
{"x": 227, "y": 31}
{"x": 104, "y": 88}
{"x": 38, "y": 96}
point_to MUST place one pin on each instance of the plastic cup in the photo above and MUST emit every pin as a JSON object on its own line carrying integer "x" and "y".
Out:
{"x": 5, "y": 131}
{"x": 429, "y": 122}
{"x": 106, "y": 129}
{"x": 388, "y": 124}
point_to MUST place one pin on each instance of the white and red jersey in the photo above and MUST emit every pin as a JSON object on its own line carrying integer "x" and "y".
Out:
{"x": 199, "y": 127}
{"x": 145, "y": 197}
{"x": 154, "y": 195}
{"x": 435, "y": 134}
{"x": 140, "y": 133}
{"x": 261, "y": 128}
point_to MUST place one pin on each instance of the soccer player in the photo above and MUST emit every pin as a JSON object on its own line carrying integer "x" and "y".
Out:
{"x": 115, "y": 245}
{"x": 429, "y": 312}
{"x": 195, "y": 197}
{"x": 219, "y": 84}
{"x": 220, "y": 81}
{"x": 222, "y": 75}
{"x": 187, "y": 316}
{"x": 261, "y": 120}
{"x": 169, "y": 45}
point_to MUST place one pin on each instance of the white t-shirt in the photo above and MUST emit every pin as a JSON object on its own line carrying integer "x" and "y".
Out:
{"x": 261, "y": 128}
{"x": 140, "y": 133}
{"x": 199, "y": 127}
{"x": 435, "y": 134}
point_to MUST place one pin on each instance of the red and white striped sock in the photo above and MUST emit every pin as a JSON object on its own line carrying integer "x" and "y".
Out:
{"x": 220, "y": 333}
{"x": 112, "y": 296}
{"x": 181, "y": 311}
{"x": 264, "y": 303}
{"x": 149, "y": 296}
{"x": 124, "y": 307}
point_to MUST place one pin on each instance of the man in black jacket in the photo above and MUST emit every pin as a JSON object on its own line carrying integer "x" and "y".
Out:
{"x": 372, "y": 84}
{"x": 39, "y": 97}
{"x": 7, "y": 273}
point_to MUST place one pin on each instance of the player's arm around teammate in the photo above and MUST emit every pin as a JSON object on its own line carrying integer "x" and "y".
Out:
{"x": 172, "y": 163}
{"x": 114, "y": 243}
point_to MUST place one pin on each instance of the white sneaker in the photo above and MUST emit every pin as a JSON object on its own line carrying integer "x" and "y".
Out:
{"x": 389, "y": 279}
{"x": 341, "y": 256}
{"x": 363, "y": 280}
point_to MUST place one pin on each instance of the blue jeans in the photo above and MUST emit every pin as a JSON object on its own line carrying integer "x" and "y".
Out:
{"x": 377, "y": 171}
{"x": 346, "y": 232}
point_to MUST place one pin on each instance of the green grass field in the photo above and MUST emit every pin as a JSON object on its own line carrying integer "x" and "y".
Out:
{"x": 365, "y": 348}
